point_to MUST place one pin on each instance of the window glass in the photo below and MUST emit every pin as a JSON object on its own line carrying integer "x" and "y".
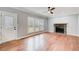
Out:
{"x": 35, "y": 24}
{"x": 30, "y": 25}
{"x": 41, "y": 24}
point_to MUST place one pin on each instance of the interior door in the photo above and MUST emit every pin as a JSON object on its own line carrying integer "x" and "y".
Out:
{"x": 9, "y": 26}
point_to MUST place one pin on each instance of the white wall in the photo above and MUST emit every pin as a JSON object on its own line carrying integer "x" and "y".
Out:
{"x": 78, "y": 24}
{"x": 21, "y": 20}
{"x": 71, "y": 20}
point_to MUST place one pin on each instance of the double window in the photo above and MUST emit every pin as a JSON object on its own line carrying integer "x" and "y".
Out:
{"x": 35, "y": 24}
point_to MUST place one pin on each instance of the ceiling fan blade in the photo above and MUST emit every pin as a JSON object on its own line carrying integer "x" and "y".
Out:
{"x": 51, "y": 12}
{"x": 52, "y": 8}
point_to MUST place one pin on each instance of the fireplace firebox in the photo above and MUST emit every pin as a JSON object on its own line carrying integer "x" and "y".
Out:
{"x": 60, "y": 28}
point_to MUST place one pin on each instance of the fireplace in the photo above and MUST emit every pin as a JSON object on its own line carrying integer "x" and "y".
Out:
{"x": 60, "y": 28}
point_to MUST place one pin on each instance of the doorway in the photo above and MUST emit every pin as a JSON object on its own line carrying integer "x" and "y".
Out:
{"x": 8, "y": 26}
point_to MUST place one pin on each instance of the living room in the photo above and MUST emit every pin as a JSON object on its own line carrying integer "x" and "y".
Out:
{"x": 36, "y": 27}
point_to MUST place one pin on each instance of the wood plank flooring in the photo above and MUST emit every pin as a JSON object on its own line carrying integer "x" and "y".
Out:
{"x": 53, "y": 42}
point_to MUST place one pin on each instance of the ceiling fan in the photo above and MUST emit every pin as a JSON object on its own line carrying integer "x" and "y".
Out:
{"x": 51, "y": 9}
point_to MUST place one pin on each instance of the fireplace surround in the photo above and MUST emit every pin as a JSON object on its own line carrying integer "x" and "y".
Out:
{"x": 60, "y": 28}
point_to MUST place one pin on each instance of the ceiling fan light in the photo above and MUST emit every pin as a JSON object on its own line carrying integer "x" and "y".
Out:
{"x": 49, "y": 12}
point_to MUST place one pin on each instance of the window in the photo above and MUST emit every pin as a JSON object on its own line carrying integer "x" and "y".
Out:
{"x": 41, "y": 25}
{"x": 30, "y": 25}
{"x": 35, "y": 24}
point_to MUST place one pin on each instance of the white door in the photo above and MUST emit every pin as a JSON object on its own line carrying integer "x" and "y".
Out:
{"x": 9, "y": 26}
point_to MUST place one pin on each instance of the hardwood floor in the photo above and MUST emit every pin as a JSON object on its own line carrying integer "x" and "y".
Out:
{"x": 53, "y": 42}
{"x": 61, "y": 42}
